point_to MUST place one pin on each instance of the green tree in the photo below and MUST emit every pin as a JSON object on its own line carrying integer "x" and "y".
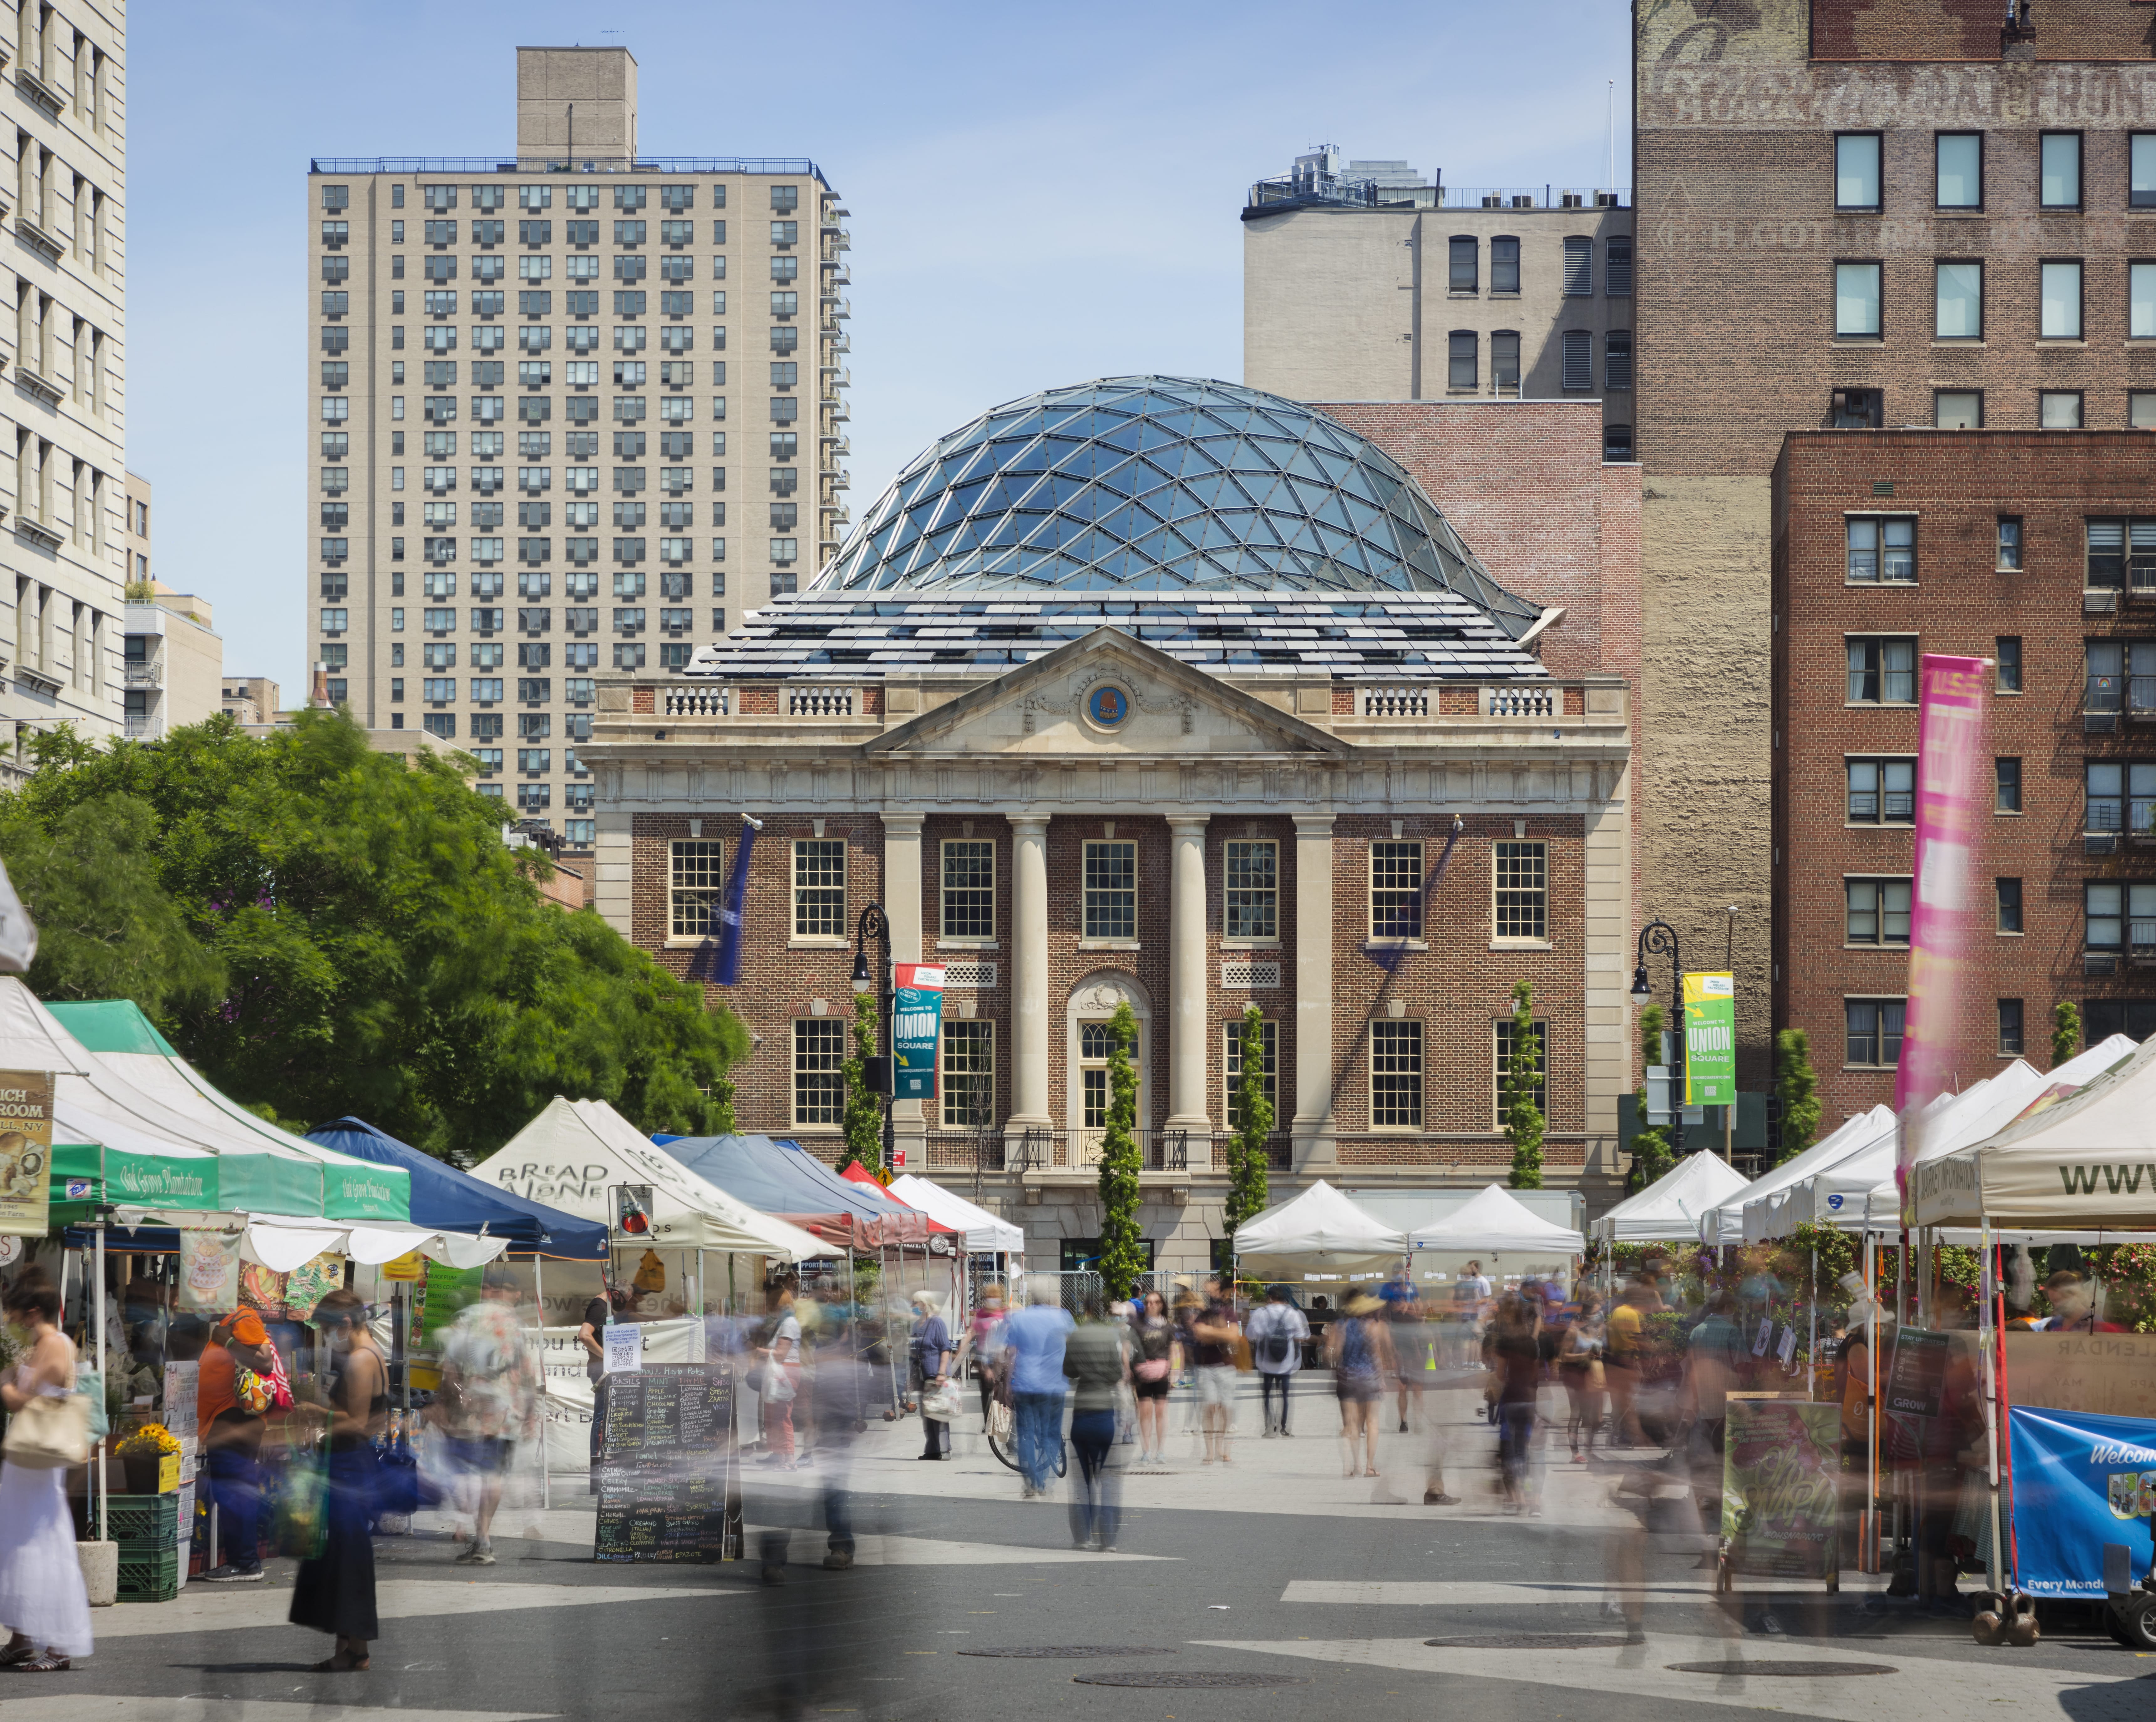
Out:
{"x": 1651, "y": 1159}
{"x": 1797, "y": 1087}
{"x": 864, "y": 1114}
{"x": 106, "y": 929}
{"x": 1121, "y": 1260}
{"x": 1248, "y": 1146}
{"x": 2065, "y": 1031}
{"x": 383, "y": 952}
{"x": 1523, "y": 1075}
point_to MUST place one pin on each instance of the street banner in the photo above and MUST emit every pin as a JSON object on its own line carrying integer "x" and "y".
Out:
{"x": 1781, "y": 1488}
{"x": 1709, "y": 1028}
{"x": 726, "y": 915}
{"x": 26, "y": 1152}
{"x": 2079, "y": 1481}
{"x": 917, "y": 1019}
{"x": 1949, "y": 760}
{"x": 209, "y": 1271}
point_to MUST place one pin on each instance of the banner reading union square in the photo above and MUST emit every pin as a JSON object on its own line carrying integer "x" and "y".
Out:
{"x": 1949, "y": 760}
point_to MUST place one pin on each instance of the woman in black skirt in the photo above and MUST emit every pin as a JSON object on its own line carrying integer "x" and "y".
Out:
{"x": 334, "y": 1592}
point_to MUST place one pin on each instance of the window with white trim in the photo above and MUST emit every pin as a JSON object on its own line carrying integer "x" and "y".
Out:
{"x": 968, "y": 1052}
{"x": 695, "y": 878}
{"x": 819, "y": 1087}
{"x": 969, "y": 888}
{"x": 1395, "y": 1075}
{"x": 1112, "y": 890}
{"x": 1268, "y": 1073}
{"x": 1249, "y": 896}
{"x": 1519, "y": 891}
{"x": 820, "y": 888}
{"x": 1396, "y": 890}
{"x": 1501, "y": 1030}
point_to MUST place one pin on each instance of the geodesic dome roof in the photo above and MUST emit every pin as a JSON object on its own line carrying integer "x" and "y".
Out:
{"x": 1132, "y": 485}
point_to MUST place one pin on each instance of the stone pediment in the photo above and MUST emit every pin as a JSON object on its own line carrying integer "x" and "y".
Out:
{"x": 1106, "y": 695}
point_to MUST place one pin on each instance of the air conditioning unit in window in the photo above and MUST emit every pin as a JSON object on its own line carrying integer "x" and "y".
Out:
{"x": 2100, "y": 843}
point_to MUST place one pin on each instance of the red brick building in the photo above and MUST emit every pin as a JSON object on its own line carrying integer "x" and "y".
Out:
{"x": 1175, "y": 694}
{"x": 2036, "y": 549}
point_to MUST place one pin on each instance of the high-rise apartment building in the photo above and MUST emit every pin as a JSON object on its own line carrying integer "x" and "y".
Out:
{"x": 1868, "y": 219}
{"x": 523, "y": 451}
{"x": 62, "y": 457}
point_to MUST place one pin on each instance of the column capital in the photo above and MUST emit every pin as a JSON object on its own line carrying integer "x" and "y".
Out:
{"x": 1188, "y": 824}
{"x": 1029, "y": 825}
{"x": 901, "y": 824}
{"x": 1314, "y": 825}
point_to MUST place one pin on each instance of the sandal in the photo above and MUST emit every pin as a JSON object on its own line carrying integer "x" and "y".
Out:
{"x": 20, "y": 1654}
{"x": 51, "y": 1663}
{"x": 343, "y": 1662}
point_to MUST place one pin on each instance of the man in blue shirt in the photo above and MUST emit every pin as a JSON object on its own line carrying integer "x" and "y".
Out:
{"x": 1033, "y": 1353}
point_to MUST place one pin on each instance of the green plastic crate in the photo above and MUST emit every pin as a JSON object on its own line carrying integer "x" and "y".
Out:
{"x": 149, "y": 1573}
{"x": 143, "y": 1518}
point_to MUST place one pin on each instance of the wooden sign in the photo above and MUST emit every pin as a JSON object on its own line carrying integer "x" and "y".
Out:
{"x": 2113, "y": 1374}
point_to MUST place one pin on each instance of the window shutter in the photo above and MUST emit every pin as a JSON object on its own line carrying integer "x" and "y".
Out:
{"x": 1579, "y": 268}
{"x": 1617, "y": 360}
{"x": 1579, "y": 359}
{"x": 1617, "y": 268}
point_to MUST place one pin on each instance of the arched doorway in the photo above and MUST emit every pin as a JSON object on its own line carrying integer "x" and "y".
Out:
{"x": 1087, "y": 1043}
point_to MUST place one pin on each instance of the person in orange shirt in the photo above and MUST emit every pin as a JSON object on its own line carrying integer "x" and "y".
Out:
{"x": 233, "y": 1398}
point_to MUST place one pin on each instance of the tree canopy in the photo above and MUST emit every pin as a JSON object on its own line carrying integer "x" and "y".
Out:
{"x": 326, "y": 930}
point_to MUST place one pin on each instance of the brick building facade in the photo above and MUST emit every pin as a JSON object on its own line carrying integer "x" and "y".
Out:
{"x": 1278, "y": 802}
{"x": 2012, "y": 545}
{"x": 1867, "y": 215}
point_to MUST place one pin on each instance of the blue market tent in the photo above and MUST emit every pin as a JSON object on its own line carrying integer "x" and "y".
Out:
{"x": 445, "y": 1197}
{"x": 782, "y": 1178}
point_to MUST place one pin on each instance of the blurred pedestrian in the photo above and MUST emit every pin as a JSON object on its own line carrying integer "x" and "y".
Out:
{"x": 1153, "y": 1347}
{"x": 488, "y": 1402}
{"x": 234, "y": 1398}
{"x": 334, "y": 1591}
{"x": 1361, "y": 1352}
{"x": 1623, "y": 1356}
{"x": 778, "y": 1375}
{"x": 1215, "y": 1331}
{"x": 988, "y": 1314}
{"x": 1277, "y": 1332}
{"x": 929, "y": 1352}
{"x": 1579, "y": 1369}
{"x": 1517, "y": 1361}
{"x": 1411, "y": 1345}
{"x": 43, "y": 1599}
{"x": 1096, "y": 1359}
{"x": 590, "y": 1339}
{"x": 1034, "y": 1338}
{"x": 1714, "y": 1364}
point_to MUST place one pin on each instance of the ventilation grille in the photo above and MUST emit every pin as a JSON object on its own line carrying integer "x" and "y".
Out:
{"x": 1249, "y": 976}
{"x": 979, "y": 976}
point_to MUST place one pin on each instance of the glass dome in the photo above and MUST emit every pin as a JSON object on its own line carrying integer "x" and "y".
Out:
{"x": 1137, "y": 485}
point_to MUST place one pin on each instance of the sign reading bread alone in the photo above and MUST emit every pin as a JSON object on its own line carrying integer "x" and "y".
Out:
{"x": 26, "y": 1151}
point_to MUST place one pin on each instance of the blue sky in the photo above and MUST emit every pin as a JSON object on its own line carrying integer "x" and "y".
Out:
{"x": 1038, "y": 196}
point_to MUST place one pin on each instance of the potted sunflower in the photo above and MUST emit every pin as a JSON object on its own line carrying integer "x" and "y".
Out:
{"x": 152, "y": 1458}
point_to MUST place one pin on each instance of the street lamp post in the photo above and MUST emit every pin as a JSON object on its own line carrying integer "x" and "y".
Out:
{"x": 879, "y": 1072}
{"x": 1657, "y": 938}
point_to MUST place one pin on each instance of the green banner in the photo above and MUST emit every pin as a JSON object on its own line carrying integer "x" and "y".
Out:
{"x": 917, "y": 1019}
{"x": 1710, "y": 1024}
{"x": 83, "y": 1172}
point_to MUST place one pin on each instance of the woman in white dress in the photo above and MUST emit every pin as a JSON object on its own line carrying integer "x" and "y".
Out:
{"x": 42, "y": 1597}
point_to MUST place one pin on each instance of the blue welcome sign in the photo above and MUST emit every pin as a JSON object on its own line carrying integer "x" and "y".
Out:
{"x": 2081, "y": 1481}
{"x": 917, "y": 1020}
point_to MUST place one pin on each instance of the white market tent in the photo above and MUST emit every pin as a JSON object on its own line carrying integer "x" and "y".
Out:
{"x": 1496, "y": 1224}
{"x": 572, "y": 1155}
{"x": 1669, "y": 1208}
{"x": 1724, "y": 1224}
{"x": 2087, "y": 1163}
{"x": 985, "y": 1233}
{"x": 1319, "y": 1229}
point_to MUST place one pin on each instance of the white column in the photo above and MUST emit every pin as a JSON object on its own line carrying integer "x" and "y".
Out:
{"x": 901, "y": 902}
{"x": 1029, "y": 970}
{"x": 1313, "y": 1127}
{"x": 1188, "y": 1024}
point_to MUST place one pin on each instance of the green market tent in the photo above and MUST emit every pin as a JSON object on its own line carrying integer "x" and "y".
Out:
{"x": 134, "y": 1079}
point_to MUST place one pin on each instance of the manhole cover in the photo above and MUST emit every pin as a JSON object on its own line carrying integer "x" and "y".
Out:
{"x": 1056, "y": 1650}
{"x": 1529, "y": 1641}
{"x": 1787, "y": 1670}
{"x": 1169, "y": 1676}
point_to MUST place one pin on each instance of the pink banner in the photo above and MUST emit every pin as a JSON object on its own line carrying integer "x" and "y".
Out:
{"x": 1950, "y": 790}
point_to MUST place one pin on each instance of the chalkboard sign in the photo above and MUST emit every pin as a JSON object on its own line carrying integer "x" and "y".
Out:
{"x": 666, "y": 1483}
{"x": 1916, "y": 1384}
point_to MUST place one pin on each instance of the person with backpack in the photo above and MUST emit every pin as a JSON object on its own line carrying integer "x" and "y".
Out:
{"x": 1276, "y": 1331}
{"x": 489, "y": 1400}
{"x": 1360, "y": 1350}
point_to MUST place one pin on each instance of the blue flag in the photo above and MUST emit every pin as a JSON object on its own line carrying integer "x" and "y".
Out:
{"x": 1403, "y": 926}
{"x": 727, "y": 916}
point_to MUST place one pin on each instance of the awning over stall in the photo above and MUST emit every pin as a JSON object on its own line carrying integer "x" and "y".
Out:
{"x": 1494, "y": 1222}
{"x": 782, "y": 1177}
{"x": 984, "y": 1232}
{"x": 1319, "y": 1231}
{"x": 1669, "y": 1208}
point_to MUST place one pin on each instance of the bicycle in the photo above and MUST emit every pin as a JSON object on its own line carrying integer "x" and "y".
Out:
{"x": 1002, "y": 1437}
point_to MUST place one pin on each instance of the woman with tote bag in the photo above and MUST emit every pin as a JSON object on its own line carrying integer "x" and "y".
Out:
{"x": 42, "y": 1596}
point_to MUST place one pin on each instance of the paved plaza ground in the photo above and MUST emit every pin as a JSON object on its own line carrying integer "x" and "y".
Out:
{"x": 1325, "y": 1589}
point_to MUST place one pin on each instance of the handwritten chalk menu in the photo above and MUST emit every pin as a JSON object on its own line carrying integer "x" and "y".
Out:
{"x": 667, "y": 1471}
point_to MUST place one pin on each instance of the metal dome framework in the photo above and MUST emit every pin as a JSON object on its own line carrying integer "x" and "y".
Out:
{"x": 1131, "y": 486}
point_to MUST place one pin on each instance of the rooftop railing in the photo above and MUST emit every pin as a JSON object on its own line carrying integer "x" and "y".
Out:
{"x": 568, "y": 164}
{"x": 1314, "y": 190}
